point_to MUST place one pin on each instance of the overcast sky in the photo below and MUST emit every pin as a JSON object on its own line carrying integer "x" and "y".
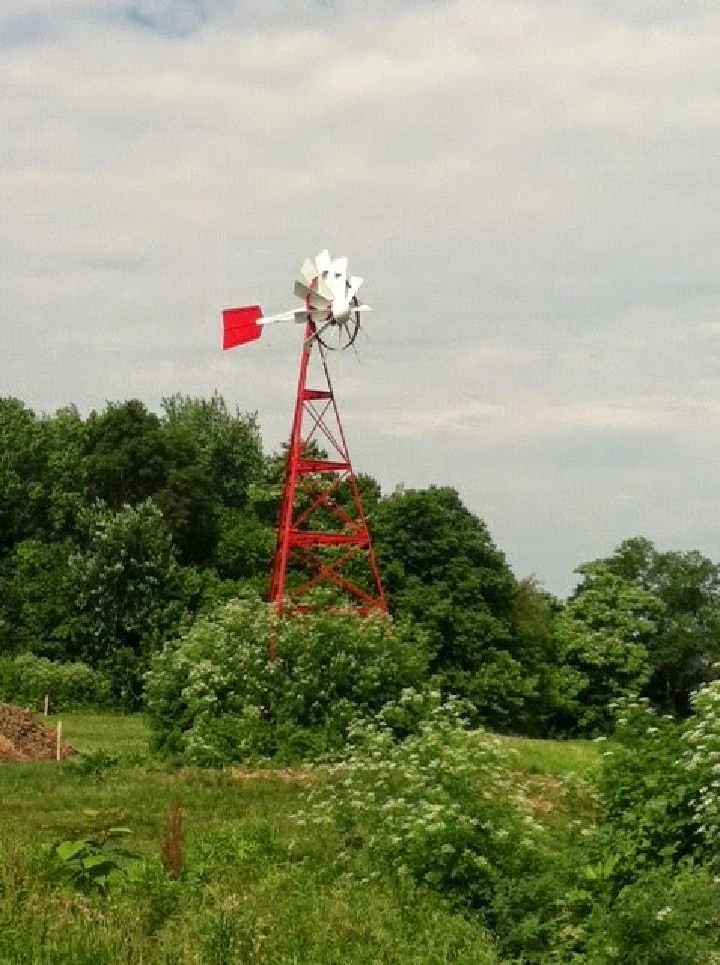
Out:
{"x": 531, "y": 190}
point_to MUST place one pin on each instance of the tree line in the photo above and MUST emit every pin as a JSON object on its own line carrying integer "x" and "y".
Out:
{"x": 119, "y": 529}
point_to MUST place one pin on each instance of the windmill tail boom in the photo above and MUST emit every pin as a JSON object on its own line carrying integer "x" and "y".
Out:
{"x": 243, "y": 325}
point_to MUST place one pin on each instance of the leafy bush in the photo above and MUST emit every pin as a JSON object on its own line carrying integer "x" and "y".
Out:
{"x": 215, "y": 697}
{"x": 445, "y": 808}
{"x": 662, "y": 918}
{"x": 26, "y": 679}
{"x": 702, "y": 760}
{"x": 646, "y": 790}
{"x": 441, "y": 807}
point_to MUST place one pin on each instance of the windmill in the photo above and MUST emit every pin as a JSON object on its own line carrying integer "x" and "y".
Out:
{"x": 322, "y": 533}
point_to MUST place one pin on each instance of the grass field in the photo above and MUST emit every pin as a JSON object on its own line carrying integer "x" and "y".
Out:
{"x": 556, "y": 758}
{"x": 127, "y": 735}
{"x": 123, "y": 734}
{"x": 255, "y": 887}
{"x": 46, "y": 801}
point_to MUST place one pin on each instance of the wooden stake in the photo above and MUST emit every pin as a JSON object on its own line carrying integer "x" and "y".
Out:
{"x": 59, "y": 738}
{"x": 47, "y": 703}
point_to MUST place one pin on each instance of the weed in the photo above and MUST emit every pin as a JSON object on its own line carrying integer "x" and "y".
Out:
{"x": 94, "y": 763}
{"x": 91, "y": 863}
{"x": 171, "y": 842}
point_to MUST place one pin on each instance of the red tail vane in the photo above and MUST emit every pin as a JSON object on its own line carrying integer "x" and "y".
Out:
{"x": 240, "y": 325}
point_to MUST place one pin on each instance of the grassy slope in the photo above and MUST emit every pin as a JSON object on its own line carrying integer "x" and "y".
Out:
{"x": 240, "y": 882}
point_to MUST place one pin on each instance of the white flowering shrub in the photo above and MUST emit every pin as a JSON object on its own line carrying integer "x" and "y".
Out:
{"x": 702, "y": 759}
{"x": 442, "y": 807}
{"x": 216, "y": 696}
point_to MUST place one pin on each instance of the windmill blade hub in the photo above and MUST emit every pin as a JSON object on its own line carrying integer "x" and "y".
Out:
{"x": 341, "y": 310}
{"x": 330, "y": 304}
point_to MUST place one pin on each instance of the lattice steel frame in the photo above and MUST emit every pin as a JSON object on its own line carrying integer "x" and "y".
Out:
{"x": 317, "y": 419}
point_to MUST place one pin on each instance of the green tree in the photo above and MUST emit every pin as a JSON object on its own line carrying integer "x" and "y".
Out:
{"x": 23, "y": 470}
{"x": 602, "y": 640}
{"x": 126, "y": 586}
{"x": 128, "y": 459}
{"x": 687, "y": 641}
{"x": 441, "y": 568}
{"x": 37, "y": 603}
{"x": 67, "y": 471}
{"x": 245, "y": 548}
{"x": 215, "y": 458}
{"x": 534, "y": 612}
{"x": 228, "y": 443}
{"x": 190, "y": 508}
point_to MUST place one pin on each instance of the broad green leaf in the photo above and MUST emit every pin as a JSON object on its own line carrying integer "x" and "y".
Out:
{"x": 99, "y": 864}
{"x": 67, "y": 850}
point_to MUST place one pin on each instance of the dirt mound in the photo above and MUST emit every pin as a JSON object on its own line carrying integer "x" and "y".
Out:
{"x": 23, "y": 739}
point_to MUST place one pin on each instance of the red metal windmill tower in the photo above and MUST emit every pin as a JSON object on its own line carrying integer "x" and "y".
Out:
{"x": 322, "y": 534}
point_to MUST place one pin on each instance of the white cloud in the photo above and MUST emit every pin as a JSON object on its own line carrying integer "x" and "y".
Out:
{"x": 538, "y": 418}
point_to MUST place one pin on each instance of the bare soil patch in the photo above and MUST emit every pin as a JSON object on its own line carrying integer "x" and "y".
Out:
{"x": 24, "y": 740}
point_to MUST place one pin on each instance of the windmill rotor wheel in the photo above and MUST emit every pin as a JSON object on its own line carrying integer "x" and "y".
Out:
{"x": 341, "y": 335}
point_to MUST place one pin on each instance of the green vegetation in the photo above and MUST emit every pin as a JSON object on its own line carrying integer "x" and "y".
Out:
{"x": 26, "y": 680}
{"x": 122, "y": 734}
{"x": 215, "y": 698}
{"x": 382, "y": 790}
{"x": 254, "y": 886}
{"x": 555, "y": 758}
{"x": 44, "y": 803}
{"x": 445, "y": 845}
{"x": 119, "y": 530}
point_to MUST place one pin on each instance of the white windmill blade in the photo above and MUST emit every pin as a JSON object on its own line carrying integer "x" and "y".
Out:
{"x": 309, "y": 271}
{"x": 324, "y": 289}
{"x": 329, "y": 299}
{"x": 354, "y": 285}
{"x": 317, "y": 304}
{"x": 315, "y": 275}
{"x": 337, "y": 277}
{"x": 305, "y": 291}
{"x": 323, "y": 262}
{"x": 340, "y": 267}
